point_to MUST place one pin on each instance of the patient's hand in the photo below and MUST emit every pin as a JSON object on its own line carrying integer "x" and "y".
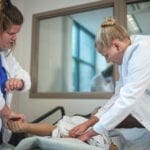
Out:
{"x": 78, "y": 130}
{"x": 81, "y": 128}
{"x": 87, "y": 135}
{"x": 17, "y": 126}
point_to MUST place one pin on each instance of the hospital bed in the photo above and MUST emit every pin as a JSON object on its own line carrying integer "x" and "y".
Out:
{"x": 135, "y": 136}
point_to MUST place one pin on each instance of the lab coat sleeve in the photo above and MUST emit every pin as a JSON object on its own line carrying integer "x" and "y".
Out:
{"x": 20, "y": 73}
{"x": 110, "y": 102}
{"x": 136, "y": 82}
{"x": 2, "y": 101}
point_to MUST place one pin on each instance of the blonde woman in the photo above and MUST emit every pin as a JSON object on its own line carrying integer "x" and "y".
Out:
{"x": 132, "y": 94}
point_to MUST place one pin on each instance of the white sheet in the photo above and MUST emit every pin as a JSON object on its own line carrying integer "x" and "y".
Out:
{"x": 42, "y": 143}
{"x": 136, "y": 138}
{"x": 5, "y": 146}
{"x": 131, "y": 139}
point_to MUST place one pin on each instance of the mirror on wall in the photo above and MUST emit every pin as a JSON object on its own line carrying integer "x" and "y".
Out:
{"x": 65, "y": 63}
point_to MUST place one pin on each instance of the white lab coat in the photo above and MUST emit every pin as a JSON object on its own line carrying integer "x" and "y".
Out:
{"x": 13, "y": 70}
{"x": 132, "y": 95}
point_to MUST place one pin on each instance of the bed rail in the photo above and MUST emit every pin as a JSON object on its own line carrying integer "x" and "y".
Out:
{"x": 47, "y": 114}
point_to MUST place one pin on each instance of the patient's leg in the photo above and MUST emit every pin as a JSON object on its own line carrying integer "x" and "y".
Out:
{"x": 41, "y": 129}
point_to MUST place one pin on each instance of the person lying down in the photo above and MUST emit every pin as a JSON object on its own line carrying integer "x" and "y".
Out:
{"x": 61, "y": 130}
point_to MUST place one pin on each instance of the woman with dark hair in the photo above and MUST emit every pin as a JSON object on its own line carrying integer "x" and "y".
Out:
{"x": 12, "y": 76}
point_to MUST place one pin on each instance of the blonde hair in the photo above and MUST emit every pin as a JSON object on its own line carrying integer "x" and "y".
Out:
{"x": 109, "y": 31}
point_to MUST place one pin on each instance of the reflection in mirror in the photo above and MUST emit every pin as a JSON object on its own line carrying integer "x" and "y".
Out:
{"x": 138, "y": 15}
{"x": 68, "y": 60}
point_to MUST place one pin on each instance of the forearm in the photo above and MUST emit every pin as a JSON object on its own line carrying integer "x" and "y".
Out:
{"x": 5, "y": 112}
{"x": 41, "y": 129}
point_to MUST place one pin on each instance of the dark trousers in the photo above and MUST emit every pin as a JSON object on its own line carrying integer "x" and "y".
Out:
{"x": 1, "y": 139}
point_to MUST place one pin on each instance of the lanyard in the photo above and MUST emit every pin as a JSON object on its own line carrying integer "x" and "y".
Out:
{"x": 3, "y": 79}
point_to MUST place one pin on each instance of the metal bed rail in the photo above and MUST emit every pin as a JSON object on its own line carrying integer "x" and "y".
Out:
{"x": 47, "y": 114}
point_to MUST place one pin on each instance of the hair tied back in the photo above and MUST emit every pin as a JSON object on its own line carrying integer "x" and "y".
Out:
{"x": 108, "y": 22}
{"x": 8, "y": 3}
{"x": 1, "y": 6}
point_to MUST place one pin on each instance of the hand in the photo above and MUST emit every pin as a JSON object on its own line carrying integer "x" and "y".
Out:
{"x": 17, "y": 126}
{"x": 78, "y": 130}
{"x": 14, "y": 84}
{"x": 87, "y": 135}
{"x": 8, "y": 114}
{"x": 13, "y": 117}
{"x": 16, "y": 116}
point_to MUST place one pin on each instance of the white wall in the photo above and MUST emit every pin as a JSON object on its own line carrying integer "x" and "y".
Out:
{"x": 32, "y": 108}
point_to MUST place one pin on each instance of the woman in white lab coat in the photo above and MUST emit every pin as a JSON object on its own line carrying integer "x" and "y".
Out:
{"x": 12, "y": 76}
{"x": 132, "y": 95}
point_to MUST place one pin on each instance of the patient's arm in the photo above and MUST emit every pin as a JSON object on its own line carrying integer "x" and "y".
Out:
{"x": 41, "y": 129}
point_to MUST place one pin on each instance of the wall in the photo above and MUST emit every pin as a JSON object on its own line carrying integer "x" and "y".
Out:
{"x": 32, "y": 108}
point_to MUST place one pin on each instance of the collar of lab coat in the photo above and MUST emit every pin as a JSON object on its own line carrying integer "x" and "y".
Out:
{"x": 3, "y": 59}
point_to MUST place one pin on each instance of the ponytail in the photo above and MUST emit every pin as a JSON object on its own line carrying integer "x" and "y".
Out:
{"x": 9, "y": 15}
{"x": 1, "y": 13}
